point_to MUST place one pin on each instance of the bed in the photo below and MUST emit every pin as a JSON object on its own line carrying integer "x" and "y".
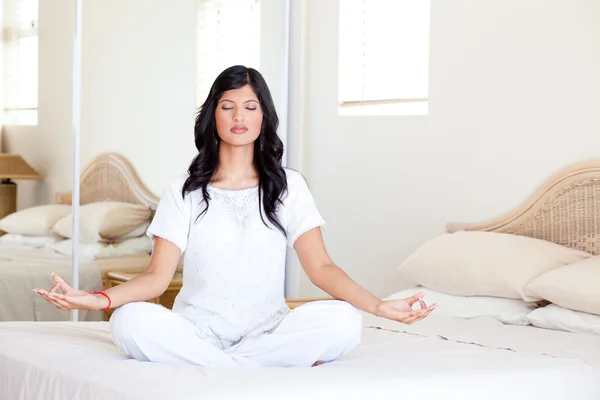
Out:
{"x": 479, "y": 347}
{"x": 108, "y": 177}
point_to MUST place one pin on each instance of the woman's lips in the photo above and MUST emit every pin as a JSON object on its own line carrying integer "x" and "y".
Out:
{"x": 239, "y": 129}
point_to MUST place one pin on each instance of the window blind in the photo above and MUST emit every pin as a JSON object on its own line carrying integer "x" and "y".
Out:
{"x": 228, "y": 33}
{"x": 20, "y": 60}
{"x": 384, "y": 51}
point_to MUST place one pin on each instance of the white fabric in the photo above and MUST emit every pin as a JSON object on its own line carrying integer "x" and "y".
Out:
{"x": 316, "y": 331}
{"x": 234, "y": 264}
{"x": 574, "y": 286}
{"x": 508, "y": 311}
{"x": 559, "y": 318}
{"x": 20, "y": 241}
{"x": 34, "y": 221}
{"x": 56, "y": 361}
{"x": 22, "y": 269}
{"x": 485, "y": 263}
{"x": 92, "y": 251}
{"x": 104, "y": 221}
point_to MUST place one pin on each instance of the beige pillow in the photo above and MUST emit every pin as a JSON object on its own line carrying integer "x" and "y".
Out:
{"x": 92, "y": 251}
{"x": 575, "y": 286}
{"x": 485, "y": 263}
{"x": 34, "y": 221}
{"x": 104, "y": 221}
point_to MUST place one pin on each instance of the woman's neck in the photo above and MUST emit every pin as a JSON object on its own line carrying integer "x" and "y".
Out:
{"x": 236, "y": 167}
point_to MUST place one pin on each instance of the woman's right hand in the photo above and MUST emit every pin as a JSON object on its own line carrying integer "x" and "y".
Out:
{"x": 72, "y": 299}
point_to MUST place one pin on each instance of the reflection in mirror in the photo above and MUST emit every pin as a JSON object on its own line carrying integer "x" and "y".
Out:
{"x": 36, "y": 160}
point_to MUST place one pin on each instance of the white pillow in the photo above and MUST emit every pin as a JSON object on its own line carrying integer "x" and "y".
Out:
{"x": 104, "y": 221}
{"x": 14, "y": 240}
{"x": 485, "y": 263}
{"x": 34, "y": 221}
{"x": 507, "y": 311}
{"x": 92, "y": 251}
{"x": 575, "y": 286}
{"x": 562, "y": 319}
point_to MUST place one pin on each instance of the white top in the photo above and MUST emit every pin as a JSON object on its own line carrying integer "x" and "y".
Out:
{"x": 234, "y": 265}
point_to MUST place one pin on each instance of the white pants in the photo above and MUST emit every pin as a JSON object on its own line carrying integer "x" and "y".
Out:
{"x": 315, "y": 331}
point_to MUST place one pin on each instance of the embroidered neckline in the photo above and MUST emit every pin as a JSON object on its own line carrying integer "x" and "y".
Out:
{"x": 240, "y": 202}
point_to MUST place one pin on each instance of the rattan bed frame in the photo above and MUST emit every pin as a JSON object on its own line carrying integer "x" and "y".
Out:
{"x": 564, "y": 210}
{"x": 110, "y": 177}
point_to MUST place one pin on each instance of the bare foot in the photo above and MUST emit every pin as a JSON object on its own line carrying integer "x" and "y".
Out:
{"x": 318, "y": 363}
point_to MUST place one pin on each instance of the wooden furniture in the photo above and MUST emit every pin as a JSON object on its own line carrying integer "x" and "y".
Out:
{"x": 110, "y": 177}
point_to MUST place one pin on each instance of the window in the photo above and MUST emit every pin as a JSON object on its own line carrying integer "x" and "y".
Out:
{"x": 228, "y": 33}
{"x": 20, "y": 61}
{"x": 384, "y": 55}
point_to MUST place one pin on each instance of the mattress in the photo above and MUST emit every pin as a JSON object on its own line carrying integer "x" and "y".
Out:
{"x": 23, "y": 269}
{"x": 437, "y": 358}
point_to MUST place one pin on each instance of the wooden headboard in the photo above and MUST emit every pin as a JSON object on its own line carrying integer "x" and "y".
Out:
{"x": 565, "y": 210}
{"x": 110, "y": 177}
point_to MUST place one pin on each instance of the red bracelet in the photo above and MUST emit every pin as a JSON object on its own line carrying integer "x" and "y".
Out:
{"x": 105, "y": 295}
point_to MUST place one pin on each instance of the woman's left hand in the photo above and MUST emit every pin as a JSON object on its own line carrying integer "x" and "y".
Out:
{"x": 401, "y": 310}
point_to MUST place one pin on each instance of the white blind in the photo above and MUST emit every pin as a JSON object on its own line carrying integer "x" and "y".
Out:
{"x": 228, "y": 33}
{"x": 384, "y": 50}
{"x": 20, "y": 55}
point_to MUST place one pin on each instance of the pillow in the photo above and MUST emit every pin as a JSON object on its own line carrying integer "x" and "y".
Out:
{"x": 104, "y": 221}
{"x": 92, "y": 251}
{"x": 575, "y": 286}
{"x": 485, "y": 263}
{"x": 507, "y": 311}
{"x": 34, "y": 221}
{"x": 14, "y": 240}
{"x": 137, "y": 232}
{"x": 562, "y": 319}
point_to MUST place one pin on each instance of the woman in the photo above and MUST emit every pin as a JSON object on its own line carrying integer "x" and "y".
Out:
{"x": 233, "y": 215}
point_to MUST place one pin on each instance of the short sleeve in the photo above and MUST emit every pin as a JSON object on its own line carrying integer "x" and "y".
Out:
{"x": 300, "y": 211}
{"x": 173, "y": 215}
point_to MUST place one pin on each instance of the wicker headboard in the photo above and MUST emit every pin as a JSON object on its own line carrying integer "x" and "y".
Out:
{"x": 110, "y": 177}
{"x": 564, "y": 210}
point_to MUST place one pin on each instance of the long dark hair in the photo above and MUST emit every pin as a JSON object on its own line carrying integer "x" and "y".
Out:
{"x": 268, "y": 147}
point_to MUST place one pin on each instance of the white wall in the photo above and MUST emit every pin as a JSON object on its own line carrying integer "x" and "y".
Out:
{"x": 47, "y": 147}
{"x": 139, "y": 85}
{"x": 514, "y": 94}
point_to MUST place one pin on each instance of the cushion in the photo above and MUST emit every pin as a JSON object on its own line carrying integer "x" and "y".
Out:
{"x": 575, "y": 286}
{"x": 22, "y": 241}
{"x": 562, "y": 319}
{"x": 507, "y": 311}
{"x": 104, "y": 221}
{"x": 34, "y": 221}
{"x": 485, "y": 263}
{"x": 90, "y": 251}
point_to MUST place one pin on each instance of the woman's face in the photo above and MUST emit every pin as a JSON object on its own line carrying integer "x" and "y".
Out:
{"x": 238, "y": 116}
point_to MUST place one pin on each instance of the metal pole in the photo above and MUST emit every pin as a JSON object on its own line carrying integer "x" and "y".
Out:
{"x": 76, "y": 134}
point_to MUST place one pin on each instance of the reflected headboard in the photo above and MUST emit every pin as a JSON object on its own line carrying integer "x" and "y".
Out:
{"x": 110, "y": 177}
{"x": 565, "y": 210}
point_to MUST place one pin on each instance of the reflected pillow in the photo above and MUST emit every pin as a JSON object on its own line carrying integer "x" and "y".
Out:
{"x": 34, "y": 221}
{"x": 105, "y": 221}
{"x": 91, "y": 251}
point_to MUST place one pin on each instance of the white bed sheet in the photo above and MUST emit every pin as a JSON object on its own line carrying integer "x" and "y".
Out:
{"x": 433, "y": 359}
{"x": 23, "y": 269}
